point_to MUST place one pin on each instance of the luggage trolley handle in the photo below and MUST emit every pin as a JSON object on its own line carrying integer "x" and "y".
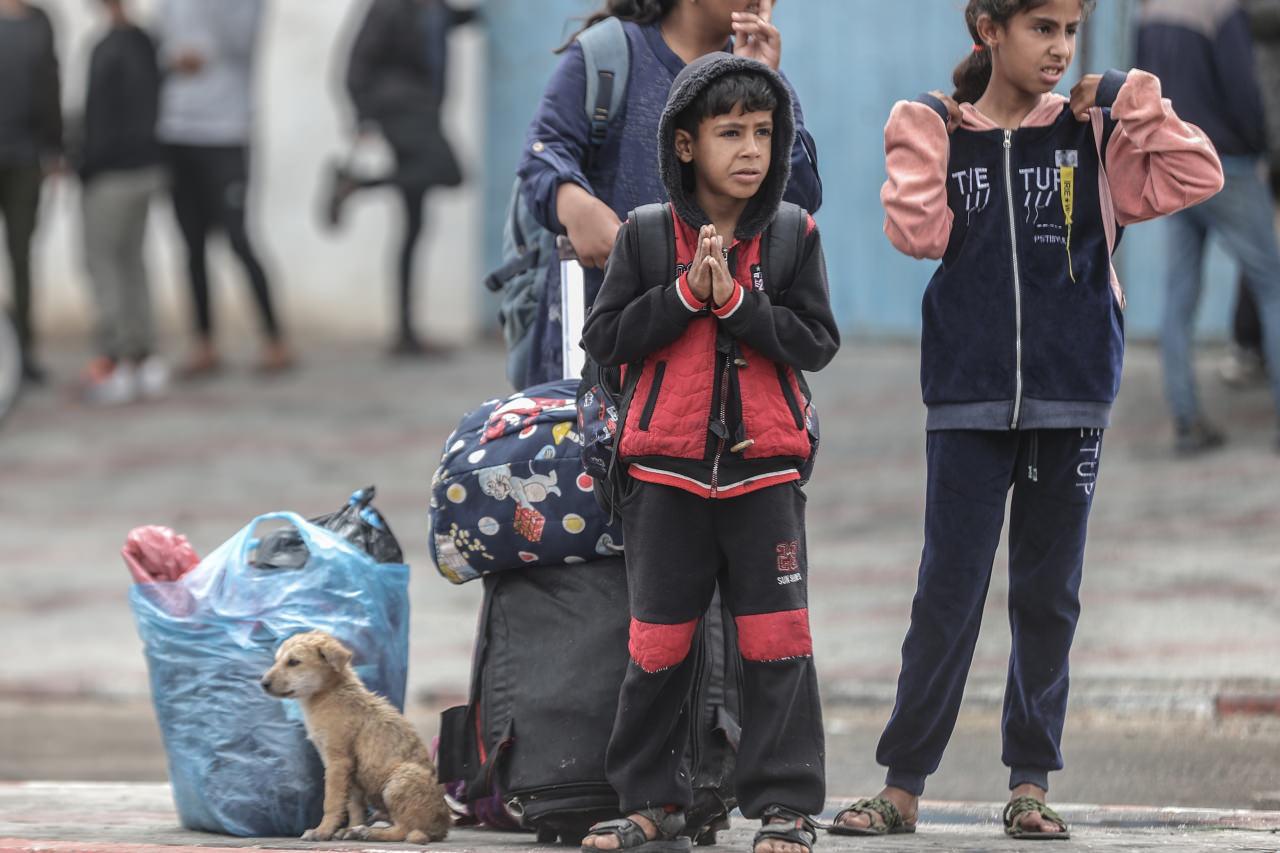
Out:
{"x": 573, "y": 309}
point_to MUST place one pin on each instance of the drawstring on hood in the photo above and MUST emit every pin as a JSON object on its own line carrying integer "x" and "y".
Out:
{"x": 696, "y": 77}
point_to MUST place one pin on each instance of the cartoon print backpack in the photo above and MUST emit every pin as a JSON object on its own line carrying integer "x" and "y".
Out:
{"x": 528, "y": 278}
{"x": 510, "y": 491}
{"x": 604, "y": 394}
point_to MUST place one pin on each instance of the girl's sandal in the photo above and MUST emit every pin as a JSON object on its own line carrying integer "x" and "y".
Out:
{"x": 797, "y": 829}
{"x": 631, "y": 835}
{"x": 891, "y": 822}
{"x": 1020, "y": 806}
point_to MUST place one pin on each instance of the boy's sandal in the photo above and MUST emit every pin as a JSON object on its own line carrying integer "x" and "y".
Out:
{"x": 891, "y": 822}
{"x": 631, "y": 835}
{"x": 798, "y": 828}
{"x": 1020, "y": 806}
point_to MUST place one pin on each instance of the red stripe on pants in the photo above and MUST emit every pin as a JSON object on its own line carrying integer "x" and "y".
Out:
{"x": 775, "y": 636}
{"x": 657, "y": 647}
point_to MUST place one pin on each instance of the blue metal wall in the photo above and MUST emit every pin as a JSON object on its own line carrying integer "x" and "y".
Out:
{"x": 849, "y": 61}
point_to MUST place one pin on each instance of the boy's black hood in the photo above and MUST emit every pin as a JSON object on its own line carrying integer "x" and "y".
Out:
{"x": 695, "y": 77}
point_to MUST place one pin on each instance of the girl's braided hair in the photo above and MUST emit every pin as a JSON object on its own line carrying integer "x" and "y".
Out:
{"x": 974, "y": 72}
{"x": 640, "y": 11}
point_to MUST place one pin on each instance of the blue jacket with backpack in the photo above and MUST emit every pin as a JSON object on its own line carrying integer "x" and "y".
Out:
{"x": 614, "y": 157}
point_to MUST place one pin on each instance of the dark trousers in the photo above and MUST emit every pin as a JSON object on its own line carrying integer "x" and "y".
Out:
{"x": 19, "y": 204}
{"x": 411, "y": 183}
{"x": 1053, "y": 474}
{"x": 1246, "y": 325}
{"x": 679, "y": 546}
{"x": 210, "y": 187}
{"x": 424, "y": 160}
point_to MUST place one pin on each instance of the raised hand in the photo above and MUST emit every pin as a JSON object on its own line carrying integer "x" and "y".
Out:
{"x": 1084, "y": 96}
{"x": 953, "y": 109}
{"x": 755, "y": 36}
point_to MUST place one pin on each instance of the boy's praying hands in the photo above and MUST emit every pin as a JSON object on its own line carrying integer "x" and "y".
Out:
{"x": 709, "y": 277}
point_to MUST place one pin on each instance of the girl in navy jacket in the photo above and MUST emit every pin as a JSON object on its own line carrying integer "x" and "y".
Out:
{"x": 1022, "y": 195}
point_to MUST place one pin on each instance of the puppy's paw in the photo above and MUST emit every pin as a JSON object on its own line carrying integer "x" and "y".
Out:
{"x": 320, "y": 833}
{"x": 355, "y": 833}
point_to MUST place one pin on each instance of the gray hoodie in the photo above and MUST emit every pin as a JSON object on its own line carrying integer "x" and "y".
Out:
{"x": 213, "y": 106}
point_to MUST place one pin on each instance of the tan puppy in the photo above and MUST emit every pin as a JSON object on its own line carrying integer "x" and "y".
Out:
{"x": 371, "y": 754}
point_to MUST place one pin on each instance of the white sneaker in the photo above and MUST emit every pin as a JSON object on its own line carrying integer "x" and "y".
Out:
{"x": 154, "y": 375}
{"x": 1242, "y": 368}
{"x": 116, "y": 388}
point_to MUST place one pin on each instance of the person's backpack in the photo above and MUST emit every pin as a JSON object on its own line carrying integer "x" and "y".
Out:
{"x": 550, "y": 656}
{"x": 510, "y": 493}
{"x": 604, "y": 394}
{"x": 528, "y": 277}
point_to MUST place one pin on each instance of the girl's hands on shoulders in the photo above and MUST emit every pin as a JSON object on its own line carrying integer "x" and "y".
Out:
{"x": 1084, "y": 96}
{"x": 755, "y": 36}
{"x": 953, "y": 109}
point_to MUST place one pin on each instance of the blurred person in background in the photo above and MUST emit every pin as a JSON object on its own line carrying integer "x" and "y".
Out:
{"x": 30, "y": 148}
{"x": 121, "y": 169}
{"x": 1245, "y": 366}
{"x": 396, "y": 78}
{"x": 1202, "y": 51}
{"x": 206, "y": 122}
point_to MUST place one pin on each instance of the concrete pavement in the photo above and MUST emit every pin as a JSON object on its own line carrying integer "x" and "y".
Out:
{"x": 106, "y": 818}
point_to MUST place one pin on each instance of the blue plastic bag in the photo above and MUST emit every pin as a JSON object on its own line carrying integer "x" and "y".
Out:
{"x": 239, "y": 760}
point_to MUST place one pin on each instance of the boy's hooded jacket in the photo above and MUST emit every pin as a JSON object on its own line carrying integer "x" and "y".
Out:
{"x": 1023, "y": 325}
{"x": 720, "y": 408}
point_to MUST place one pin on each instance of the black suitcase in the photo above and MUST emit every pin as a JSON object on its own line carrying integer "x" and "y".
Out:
{"x": 550, "y": 655}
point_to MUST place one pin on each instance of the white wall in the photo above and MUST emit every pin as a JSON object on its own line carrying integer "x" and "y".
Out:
{"x": 326, "y": 285}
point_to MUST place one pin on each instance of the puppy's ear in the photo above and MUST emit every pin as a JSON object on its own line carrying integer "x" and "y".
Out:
{"x": 335, "y": 654}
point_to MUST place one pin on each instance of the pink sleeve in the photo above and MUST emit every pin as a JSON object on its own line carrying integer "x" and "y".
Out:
{"x": 1157, "y": 163}
{"x": 916, "y": 147}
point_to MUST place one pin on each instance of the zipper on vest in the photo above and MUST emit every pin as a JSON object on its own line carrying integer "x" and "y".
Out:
{"x": 721, "y": 428}
{"x": 1017, "y": 279}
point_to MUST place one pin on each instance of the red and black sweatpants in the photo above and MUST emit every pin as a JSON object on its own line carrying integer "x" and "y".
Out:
{"x": 678, "y": 547}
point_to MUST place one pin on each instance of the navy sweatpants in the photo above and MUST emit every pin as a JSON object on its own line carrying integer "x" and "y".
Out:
{"x": 679, "y": 546}
{"x": 1053, "y": 474}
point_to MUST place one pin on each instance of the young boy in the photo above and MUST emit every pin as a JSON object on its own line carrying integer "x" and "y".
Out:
{"x": 713, "y": 441}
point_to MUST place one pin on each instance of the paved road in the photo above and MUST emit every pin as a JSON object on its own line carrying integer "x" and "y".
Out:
{"x": 139, "y": 819}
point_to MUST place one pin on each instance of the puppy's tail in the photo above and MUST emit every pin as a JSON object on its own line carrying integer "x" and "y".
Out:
{"x": 416, "y": 836}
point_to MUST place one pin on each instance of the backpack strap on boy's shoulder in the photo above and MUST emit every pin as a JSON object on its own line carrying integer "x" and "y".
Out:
{"x": 608, "y": 61}
{"x": 655, "y": 233}
{"x": 784, "y": 238}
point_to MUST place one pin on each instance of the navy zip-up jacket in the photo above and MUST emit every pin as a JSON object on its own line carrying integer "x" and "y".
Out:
{"x": 1023, "y": 325}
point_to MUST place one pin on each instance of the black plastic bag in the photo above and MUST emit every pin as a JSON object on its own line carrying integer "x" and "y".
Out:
{"x": 357, "y": 522}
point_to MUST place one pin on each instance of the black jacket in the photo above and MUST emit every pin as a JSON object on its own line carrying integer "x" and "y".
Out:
{"x": 400, "y": 57}
{"x": 30, "y": 105}
{"x": 121, "y": 105}
{"x": 1202, "y": 51}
